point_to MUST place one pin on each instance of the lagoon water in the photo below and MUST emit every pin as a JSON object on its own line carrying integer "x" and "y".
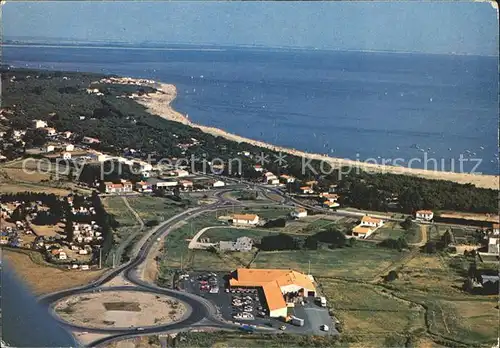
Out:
{"x": 355, "y": 105}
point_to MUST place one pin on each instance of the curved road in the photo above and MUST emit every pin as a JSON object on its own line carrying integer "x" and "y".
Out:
{"x": 201, "y": 309}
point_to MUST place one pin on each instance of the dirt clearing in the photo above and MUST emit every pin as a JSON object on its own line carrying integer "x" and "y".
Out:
{"x": 120, "y": 309}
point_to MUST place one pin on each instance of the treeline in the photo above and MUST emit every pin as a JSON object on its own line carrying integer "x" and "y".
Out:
{"x": 122, "y": 123}
{"x": 52, "y": 216}
{"x": 331, "y": 238}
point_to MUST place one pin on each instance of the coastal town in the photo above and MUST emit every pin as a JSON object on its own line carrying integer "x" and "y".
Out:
{"x": 272, "y": 253}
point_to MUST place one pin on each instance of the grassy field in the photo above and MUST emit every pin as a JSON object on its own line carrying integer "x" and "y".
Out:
{"x": 30, "y": 175}
{"x": 369, "y": 313}
{"x": 13, "y": 187}
{"x": 222, "y": 261}
{"x": 154, "y": 208}
{"x": 389, "y": 230}
{"x": 176, "y": 243}
{"x": 42, "y": 278}
{"x": 453, "y": 314}
{"x": 426, "y": 305}
{"x": 360, "y": 262}
{"x": 231, "y": 234}
{"x": 116, "y": 207}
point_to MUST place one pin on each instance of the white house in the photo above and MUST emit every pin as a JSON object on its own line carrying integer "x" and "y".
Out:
{"x": 368, "y": 221}
{"x": 144, "y": 166}
{"x": 245, "y": 219}
{"x": 66, "y": 155}
{"x": 299, "y": 213}
{"x": 83, "y": 252}
{"x": 307, "y": 189}
{"x": 89, "y": 140}
{"x": 258, "y": 168}
{"x": 50, "y": 131}
{"x": 103, "y": 158}
{"x": 40, "y": 124}
{"x": 186, "y": 184}
{"x": 219, "y": 183}
{"x": 84, "y": 267}
{"x": 331, "y": 197}
{"x": 62, "y": 255}
{"x": 493, "y": 245}
{"x": 496, "y": 229}
{"x": 49, "y": 148}
{"x": 161, "y": 184}
{"x": 273, "y": 181}
{"x": 362, "y": 232}
{"x": 287, "y": 178}
{"x": 143, "y": 186}
{"x": 70, "y": 147}
{"x": 424, "y": 215}
{"x": 124, "y": 186}
{"x": 179, "y": 173}
{"x": 67, "y": 134}
{"x": 330, "y": 204}
{"x": 19, "y": 133}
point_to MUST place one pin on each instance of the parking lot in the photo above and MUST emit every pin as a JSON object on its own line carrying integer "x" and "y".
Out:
{"x": 248, "y": 306}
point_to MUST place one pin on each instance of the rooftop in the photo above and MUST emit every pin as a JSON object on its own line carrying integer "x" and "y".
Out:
{"x": 271, "y": 281}
{"x": 361, "y": 230}
{"x": 247, "y": 217}
{"x": 369, "y": 219}
{"x": 424, "y": 211}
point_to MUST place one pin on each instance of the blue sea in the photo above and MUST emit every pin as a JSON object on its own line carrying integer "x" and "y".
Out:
{"x": 356, "y": 105}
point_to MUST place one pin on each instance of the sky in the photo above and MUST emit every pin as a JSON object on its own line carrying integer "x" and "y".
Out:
{"x": 413, "y": 26}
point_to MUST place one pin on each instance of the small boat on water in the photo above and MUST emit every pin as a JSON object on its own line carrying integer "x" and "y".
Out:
{"x": 481, "y": 147}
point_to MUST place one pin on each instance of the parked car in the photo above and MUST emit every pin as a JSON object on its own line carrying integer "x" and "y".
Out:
{"x": 282, "y": 327}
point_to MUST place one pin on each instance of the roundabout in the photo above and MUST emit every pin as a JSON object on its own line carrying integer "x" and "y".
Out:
{"x": 120, "y": 309}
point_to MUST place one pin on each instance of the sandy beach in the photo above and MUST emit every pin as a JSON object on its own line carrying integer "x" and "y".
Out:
{"x": 160, "y": 104}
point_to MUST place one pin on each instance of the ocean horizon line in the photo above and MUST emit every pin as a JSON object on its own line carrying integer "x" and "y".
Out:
{"x": 170, "y": 46}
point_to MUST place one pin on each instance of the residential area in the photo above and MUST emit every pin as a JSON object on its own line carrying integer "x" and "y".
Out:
{"x": 64, "y": 230}
{"x": 390, "y": 260}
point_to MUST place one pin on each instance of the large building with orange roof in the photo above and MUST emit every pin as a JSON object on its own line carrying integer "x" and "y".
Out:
{"x": 275, "y": 284}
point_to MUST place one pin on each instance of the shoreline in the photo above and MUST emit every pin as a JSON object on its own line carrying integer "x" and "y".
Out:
{"x": 159, "y": 104}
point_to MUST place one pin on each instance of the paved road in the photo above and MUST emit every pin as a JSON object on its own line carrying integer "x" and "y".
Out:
{"x": 201, "y": 309}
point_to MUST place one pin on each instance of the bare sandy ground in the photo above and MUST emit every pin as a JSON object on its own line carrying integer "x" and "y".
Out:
{"x": 137, "y": 309}
{"x": 160, "y": 104}
{"x": 88, "y": 337}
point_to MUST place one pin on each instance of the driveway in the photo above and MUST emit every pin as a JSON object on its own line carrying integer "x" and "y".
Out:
{"x": 314, "y": 316}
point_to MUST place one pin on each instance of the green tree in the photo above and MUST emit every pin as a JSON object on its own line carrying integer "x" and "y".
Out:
{"x": 430, "y": 247}
{"x": 408, "y": 223}
{"x": 447, "y": 238}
